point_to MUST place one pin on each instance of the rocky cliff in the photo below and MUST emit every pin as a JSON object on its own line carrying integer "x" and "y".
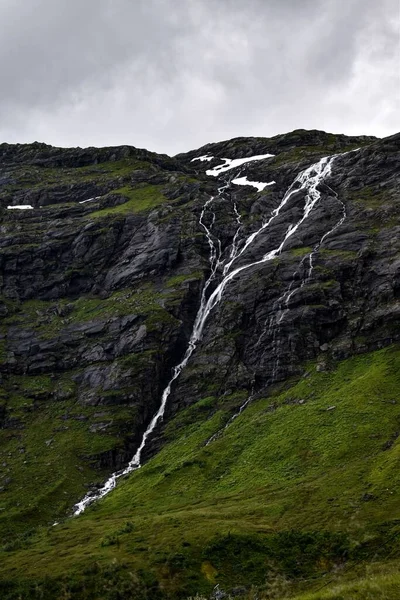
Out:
{"x": 103, "y": 277}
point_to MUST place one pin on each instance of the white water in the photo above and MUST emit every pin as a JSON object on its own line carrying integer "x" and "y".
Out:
{"x": 236, "y": 240}
{"x": 21, "y": 207}
{"x": 216, "y": 435}
{"x": 322, "y": 171}
{"x": 134, "y": 464}
{"x": 281, "y": 306}
{"x": 308, "y": 180}
{"x": 284, "y": 300}
{"x": 257, "y": 184}
{"x": 89, "y": 200}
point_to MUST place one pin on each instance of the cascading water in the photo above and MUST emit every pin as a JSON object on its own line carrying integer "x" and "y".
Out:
{"x": 313, "y": 195}
{"x": 216, "y": 435}
{"x": 284, "y": 300}
{"x": 307, "y": 180}
{"x": 281, "y": 306}
{"x": 134, "y": 464}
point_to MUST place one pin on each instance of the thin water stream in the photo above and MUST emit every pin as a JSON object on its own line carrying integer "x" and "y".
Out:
{"x": 308, "y": 180}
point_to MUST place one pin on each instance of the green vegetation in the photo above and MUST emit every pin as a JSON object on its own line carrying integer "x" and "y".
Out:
{"x": 178, "y": 280}
{"x": 35, "y": 177}
{"x": 298, "y": 153}
{"x": 371, "y": 197}
{"x": 45, "y": 417}
{"x": 37, "y": 484}
{"x": 300, "y": 252}
{"x": 138, "y": 199}
{"x": 299, "y": 486}
{"x": 375, "y": 586}
{"x": 342, "y": 254}
{"x": 296, "y": 497}
{"x": 49, "y": 318}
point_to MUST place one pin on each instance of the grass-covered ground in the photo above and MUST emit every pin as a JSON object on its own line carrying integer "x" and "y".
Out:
{"x": 137, "y": 200}
{"x": 300, "y": 491}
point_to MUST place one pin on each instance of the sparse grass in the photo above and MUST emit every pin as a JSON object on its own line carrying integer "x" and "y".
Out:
{"x": 342, "y": 254}
{"x": 48, "y": 318}
{"x": 33, "y": 177}
{"x": 178, "y": 280}
{"x": 371, "y": 197}
{"x": 301, "y": 152}
{"x": 300, "y": 252}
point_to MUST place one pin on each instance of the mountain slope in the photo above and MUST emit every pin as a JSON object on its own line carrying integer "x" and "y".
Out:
{"x": 101, "y": 284}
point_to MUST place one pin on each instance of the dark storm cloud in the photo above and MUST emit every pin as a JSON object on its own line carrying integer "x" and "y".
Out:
{"x": 174, "y": 74}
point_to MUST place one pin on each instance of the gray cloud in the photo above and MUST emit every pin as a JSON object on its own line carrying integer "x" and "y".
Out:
{"x": 171, "y": 75}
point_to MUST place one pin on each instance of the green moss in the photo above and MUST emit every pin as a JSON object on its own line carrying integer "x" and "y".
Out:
{"x": 245, "y": 557}
{"x": 344, "y": 254}
{"x": 20, "y": 248}
{"x": 299, "y": 252}
{"x": 33, "y": 385}
{"x": 123, "y": 167}
{"x": 109, "y": 581}
{"x": 103, "y": 173}
{"x": 323, "y": 285}
{"x": 178, "y": 280}
{"x": 139, "y": 199}
{"x": 49, "y": 318}
{"x": 158, "y": 318}
{"x": 136, "y": 360}
{"x": 3, "y": 350}
{"x": 371, "y": 197}
{"x": 302, "y": 152}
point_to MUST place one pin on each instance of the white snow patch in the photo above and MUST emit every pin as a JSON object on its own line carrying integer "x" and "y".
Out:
{"x": 231, "y": 163}
{"x": 257, "y": 184}
{"x": 203, "y": 158}
{"x": 20, "y": 207}
{"x": 89, "y": 200}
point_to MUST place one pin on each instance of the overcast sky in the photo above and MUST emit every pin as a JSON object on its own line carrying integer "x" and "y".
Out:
{"x": 172, "y": 75}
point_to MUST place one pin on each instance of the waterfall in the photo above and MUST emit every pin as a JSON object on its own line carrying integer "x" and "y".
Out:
{"x": 308, "y": 180}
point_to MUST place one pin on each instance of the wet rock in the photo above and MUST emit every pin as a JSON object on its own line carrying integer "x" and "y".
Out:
{"x": 100, "y": 304}
{"x": 98, "y": 427}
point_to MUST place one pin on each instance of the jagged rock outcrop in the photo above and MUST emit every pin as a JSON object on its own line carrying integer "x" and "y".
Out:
{"x": 101, "y": 281}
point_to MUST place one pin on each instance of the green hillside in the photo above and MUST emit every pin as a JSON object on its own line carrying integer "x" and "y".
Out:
{"x": 300, "y": 491}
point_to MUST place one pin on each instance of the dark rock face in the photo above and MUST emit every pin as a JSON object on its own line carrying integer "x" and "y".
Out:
{"x": 101, "y": 281}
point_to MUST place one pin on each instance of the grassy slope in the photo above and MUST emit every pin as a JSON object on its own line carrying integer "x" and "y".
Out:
{"x": 195, "y": 515}
{"x": 137, "y": 200}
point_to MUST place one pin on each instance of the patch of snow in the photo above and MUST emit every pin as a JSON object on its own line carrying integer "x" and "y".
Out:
{"x": 203, "y": 158}
{"x": 20, "y": 207}
{"x": 257, "y": 184}
{"x": 89, "y": 200}
{"x": 232, "y": 163}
